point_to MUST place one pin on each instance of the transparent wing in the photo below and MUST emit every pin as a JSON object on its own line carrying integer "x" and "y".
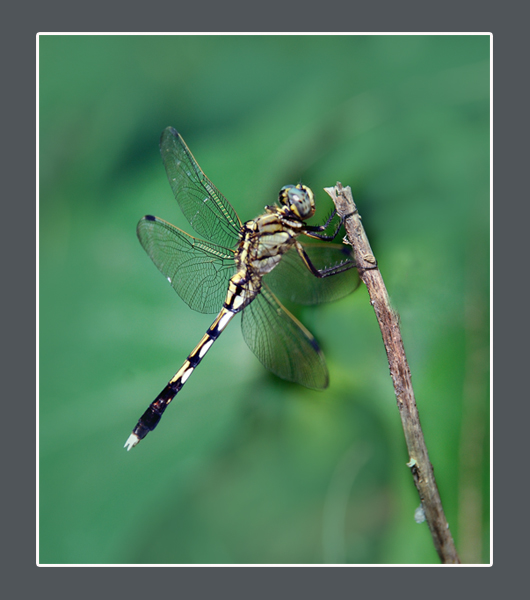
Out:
{"x": 198, "y": 271}
{"x": 282, "y": 343}
{"x": 292, "y": 280}
{"x": 207, "y": 210}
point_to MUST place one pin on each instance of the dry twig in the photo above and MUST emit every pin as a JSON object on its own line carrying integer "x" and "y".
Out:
{"x": 388, "y": 320}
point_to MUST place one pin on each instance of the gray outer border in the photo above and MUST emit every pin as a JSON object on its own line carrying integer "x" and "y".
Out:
{"x": 19, "y": 103}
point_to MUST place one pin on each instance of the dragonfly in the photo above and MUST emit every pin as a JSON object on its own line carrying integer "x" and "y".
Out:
{"x": 241, "y": 268}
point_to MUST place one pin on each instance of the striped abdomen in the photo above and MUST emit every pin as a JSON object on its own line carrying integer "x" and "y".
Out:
{"x": 149, "y": 420}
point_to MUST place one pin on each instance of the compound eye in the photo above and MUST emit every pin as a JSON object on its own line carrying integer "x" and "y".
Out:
{"x": 304, "y": 201}
{"x": 300, "y": 200}
{"x": 284, "y": 194}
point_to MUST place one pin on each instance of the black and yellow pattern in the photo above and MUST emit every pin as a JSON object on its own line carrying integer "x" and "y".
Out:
{"x": 241, "y": 267}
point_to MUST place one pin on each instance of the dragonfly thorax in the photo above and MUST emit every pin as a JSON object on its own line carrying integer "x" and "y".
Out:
{"x": 265, "y": 240}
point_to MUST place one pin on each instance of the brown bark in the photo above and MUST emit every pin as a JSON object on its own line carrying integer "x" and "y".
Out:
{"x": 419, "y": 464}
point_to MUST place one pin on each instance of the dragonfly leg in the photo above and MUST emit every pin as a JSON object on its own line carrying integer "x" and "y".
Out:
{"x": 316, "y": 231}
{"x": 328, "y": 271}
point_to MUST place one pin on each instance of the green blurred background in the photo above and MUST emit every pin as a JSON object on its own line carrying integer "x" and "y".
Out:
{"x": 244, "y": 467}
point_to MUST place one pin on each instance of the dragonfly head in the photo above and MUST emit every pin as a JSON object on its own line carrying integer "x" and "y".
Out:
{"x": 299, "y": 199}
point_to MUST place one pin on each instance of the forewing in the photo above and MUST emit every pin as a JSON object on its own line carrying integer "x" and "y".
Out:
{"x": 198, "y": 271}
{"x": 282, "y": 343}
{"x": 292, "y": 280}
{"x": 208, "y": 211}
